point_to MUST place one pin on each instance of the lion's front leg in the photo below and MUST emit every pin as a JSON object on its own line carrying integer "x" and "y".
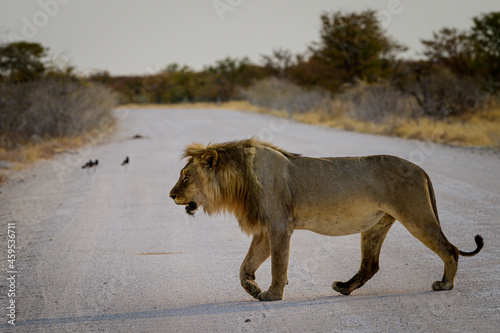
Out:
{"x": 258, "y": 252}
{"x": 371, "y": 244}
{"x": 280, "y": 254}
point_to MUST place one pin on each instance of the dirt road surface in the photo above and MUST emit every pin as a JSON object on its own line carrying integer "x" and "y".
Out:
{"x": 106, "y": 249}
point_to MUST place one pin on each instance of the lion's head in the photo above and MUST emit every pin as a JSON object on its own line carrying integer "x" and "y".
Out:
{"x": 189, "y": 190}
{"x": 221, "y": 178}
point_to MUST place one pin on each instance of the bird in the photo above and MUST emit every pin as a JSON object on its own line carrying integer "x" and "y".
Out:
{"x": 96, "y": 163}
{"x": 89, "y": 164}
{"x": 125, "y": 162}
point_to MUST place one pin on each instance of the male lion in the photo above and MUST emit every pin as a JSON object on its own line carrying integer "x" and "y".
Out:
{"x": 273, "y": 192}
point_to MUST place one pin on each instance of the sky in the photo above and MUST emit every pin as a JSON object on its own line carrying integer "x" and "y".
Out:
{"x": 127, "y": 37}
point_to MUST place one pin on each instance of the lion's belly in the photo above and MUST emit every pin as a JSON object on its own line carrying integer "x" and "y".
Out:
{"x": 337, "y": 223}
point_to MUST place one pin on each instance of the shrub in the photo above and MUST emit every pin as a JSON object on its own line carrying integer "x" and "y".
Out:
{"x": 377, "y": 103}
{"x": 440, "y": 93}
{"x": 51, "y": 107}
{"x": 279, "y": 94}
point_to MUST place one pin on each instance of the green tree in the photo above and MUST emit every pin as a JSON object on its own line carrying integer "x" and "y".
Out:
{"x": 229, "y": 73}
{"x": 22, "y": 61}
{"x": 355, "y": 46}
{"x": 451, "y": 48}
{"x": 313, "y": 72}
{"x": 278, "y": 63}
{"x": 176, "y": 84}
{"x": 486, "y": 37}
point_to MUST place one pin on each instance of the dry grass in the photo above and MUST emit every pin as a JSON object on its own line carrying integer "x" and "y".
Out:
{"x": 236, "y": 105}
{"x": 231, "y": 105}
{"x": 480, "y": 130}
{"x": 476, "y": 132}
{"x": 381, "y": 109}
{"x": 26, "y": 154}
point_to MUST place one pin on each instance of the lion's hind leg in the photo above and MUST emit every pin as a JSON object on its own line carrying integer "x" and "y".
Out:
{"x": 429, "y": 232}
{"x": 371, "y": 244}
{"x": 258, "y": 252}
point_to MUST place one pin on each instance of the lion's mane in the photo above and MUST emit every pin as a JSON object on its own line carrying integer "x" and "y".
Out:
{"x": 229, "y": 180}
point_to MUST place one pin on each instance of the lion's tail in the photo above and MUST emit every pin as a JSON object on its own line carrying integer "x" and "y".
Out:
{"x": 479, "y": 240}
{"x": 479, "y": 243}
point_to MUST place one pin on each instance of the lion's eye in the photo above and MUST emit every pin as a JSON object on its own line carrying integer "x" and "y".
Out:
{"x": 186, "y": 177}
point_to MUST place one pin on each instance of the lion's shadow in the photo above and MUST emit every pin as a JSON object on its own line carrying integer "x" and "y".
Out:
{"x": 211, "y": 309}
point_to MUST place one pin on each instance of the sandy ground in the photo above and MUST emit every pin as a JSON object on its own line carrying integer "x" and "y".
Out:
{"x": 108, "y": 251}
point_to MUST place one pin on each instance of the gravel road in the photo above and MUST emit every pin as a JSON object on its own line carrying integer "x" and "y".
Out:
{"x": 106, "y": 249}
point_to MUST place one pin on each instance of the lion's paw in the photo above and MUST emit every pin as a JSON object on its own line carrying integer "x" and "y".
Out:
{"x": 341, "y": 287}
{"x": 440, "y": 285}
{"x": 269, "y": 296}
{"x": 251, "y": 287}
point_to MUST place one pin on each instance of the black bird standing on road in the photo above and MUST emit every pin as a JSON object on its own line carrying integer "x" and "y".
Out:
{"x": 89, "y": 164}
{"x": 125, "y": 162}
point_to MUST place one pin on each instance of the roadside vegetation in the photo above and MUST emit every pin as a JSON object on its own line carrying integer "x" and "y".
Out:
{"x": 45, "y": 109}
{"x": 353, "y": 77}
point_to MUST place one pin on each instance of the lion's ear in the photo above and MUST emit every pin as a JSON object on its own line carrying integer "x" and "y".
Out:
{"x": 210, "y": 157}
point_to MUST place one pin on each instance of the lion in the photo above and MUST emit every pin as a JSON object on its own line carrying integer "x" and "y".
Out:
{"x": 273, "y": 192}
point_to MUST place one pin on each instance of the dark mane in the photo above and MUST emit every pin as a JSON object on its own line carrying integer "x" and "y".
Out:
{"x": 236, "y": 145}
{"x": 230, "y": 179}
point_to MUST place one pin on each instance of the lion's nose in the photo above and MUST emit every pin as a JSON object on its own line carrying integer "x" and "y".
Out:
{"x": 173, "y": 196}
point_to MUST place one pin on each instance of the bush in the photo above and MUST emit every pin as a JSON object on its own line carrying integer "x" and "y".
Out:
{"x": 51, "y": 107}
{"x": 279, "y": 94}
{"x": 440, "y": 93}
{"x": 377, "y": 103}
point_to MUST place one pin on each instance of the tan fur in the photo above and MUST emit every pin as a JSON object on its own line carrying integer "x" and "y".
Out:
{"x": 273, "y": 192}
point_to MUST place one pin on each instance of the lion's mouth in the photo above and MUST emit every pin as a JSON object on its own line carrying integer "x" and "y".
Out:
{"x": 191, "y": 208}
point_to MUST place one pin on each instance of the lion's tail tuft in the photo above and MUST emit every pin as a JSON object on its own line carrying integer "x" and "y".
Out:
{"x": 479, "y": 242}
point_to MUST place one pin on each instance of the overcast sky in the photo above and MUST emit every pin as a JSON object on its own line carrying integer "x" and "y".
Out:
{"x": 140, "y": 37}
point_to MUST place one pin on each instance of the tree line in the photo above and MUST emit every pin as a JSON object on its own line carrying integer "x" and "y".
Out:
{"x": 458, "y": 73}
